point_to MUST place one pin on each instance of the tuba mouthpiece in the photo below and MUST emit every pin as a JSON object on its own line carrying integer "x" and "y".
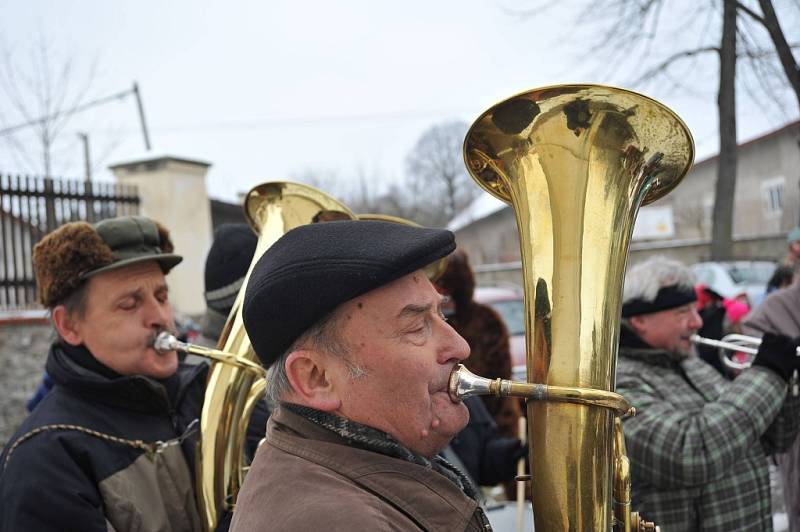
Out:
{"x": 464, "y": 383}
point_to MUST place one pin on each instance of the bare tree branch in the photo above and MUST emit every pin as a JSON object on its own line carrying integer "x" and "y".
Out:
{"x": 45, "y": 97}
{"x": 744, "y": 9}
{"x": 778, "y": 37}
{"x": 434, "y": 167}
{"x": 635, "y": 37}
{"x": 664, "y": 65}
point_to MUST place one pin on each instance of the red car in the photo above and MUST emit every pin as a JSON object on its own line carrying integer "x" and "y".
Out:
{"x": 510, "y": 304}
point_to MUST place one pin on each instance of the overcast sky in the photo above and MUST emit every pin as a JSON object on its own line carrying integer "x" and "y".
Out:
{"x": 277, "y": 89}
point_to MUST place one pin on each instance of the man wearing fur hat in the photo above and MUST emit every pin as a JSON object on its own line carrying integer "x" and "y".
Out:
{"x": 698, "y": 444}
{"x": 360, "y": 357}
{"x": 111, "y": 447}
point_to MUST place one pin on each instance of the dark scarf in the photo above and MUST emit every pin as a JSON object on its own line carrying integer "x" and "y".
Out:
{"x": 370, "y": 439}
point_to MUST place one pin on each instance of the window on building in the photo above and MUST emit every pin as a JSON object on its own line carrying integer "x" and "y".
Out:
{"x": 772, "y": 196}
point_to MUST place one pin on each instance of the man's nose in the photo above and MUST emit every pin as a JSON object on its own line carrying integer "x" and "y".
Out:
{"x": 157, "y": 314}
{"x": 695, "y": 321}
{"x": 455, "y": 348}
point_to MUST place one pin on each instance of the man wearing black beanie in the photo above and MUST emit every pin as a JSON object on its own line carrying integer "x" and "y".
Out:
{"x": 698, "y": 444}
{"x": 359, "y": 358}
{"x": 226, "y": 267}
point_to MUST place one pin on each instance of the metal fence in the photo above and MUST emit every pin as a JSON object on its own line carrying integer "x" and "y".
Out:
{"x": 31, "y": 207}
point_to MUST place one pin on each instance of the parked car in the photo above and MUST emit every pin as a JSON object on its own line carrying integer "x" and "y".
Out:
{"x": 510, "y": 304}
{"x": 734, "y": 278}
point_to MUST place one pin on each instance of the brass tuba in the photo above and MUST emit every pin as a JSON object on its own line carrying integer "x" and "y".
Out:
{"x": 272, "y": 209}
{"x": 575, "y": 162}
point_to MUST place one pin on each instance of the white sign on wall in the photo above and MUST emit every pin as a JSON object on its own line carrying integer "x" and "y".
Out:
{"x": 654, "y": 222}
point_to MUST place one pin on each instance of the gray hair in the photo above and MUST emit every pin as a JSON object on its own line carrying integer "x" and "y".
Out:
{"x": 645, "y": 279}
{"x": 322, "y": 336}
{"x": 75, "y": 304}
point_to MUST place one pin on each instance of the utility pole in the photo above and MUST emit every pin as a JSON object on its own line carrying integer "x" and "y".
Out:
{"x": 87, "y": 164}
{"x": 141, "y": 115}
{"x": 87, "y": 185}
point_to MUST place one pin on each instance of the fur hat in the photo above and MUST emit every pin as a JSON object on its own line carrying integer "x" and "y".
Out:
{"x": 458, "y": 280}
{"x": 314, "y": 268}
{"x": 68, "y": 256}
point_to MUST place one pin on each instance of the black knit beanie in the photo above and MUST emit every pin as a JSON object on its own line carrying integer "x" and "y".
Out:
{"x": 227, "y": 263}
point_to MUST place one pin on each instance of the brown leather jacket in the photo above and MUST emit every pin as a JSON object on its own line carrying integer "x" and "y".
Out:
{"x": 305, "y": 477}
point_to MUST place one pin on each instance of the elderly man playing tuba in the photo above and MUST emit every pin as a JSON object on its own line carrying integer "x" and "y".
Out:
{"x": 698, "y": 444}
{"x": 359, "y": 356}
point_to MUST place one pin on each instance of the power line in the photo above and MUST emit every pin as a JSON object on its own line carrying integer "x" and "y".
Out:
{"x": 259, "y": 123}
{"x": 74, "y": 110}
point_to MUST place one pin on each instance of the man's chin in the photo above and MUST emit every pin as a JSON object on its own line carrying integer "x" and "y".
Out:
{"x": 453, "y": 417}
{"x": 683, "y": 352}
{"x": 163, "y": 368}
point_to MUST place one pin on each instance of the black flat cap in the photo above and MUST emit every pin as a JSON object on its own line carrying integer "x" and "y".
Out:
{"x": 314, "y": 268}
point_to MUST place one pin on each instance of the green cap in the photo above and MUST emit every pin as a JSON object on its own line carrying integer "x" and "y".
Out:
{"x": 133, "y": 239}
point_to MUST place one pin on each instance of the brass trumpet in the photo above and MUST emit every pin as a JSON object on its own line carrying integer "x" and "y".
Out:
{"x": 735, "y": 343}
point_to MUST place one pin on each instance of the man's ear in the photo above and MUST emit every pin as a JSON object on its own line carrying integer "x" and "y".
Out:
{"x": 65, "y": 325}
{"x": 309, "y": 373}
{"x": 639, "y": 323}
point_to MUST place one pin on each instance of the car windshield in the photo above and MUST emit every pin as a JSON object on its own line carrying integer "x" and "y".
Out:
{"x": 513, "y": 313}
{"x": 751, "y": 273}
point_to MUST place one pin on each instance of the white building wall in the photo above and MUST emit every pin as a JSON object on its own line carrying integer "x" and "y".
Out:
{"x": 173, "y": 191}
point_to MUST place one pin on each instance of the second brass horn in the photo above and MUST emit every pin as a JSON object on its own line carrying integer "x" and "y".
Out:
{"x": 575, "y": 162}
{"x": 272, "y": 209}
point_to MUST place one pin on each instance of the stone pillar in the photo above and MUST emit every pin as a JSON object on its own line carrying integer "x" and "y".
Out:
{"x": 173, "y": 191}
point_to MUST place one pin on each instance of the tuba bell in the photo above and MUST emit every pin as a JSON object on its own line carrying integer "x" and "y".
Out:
{"x": 575, "y": 162}
{"x": 233, "y": 389}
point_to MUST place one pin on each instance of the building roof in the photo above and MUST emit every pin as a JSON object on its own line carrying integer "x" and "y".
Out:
{"x": 483, "y": 206}
{"x": 155, "y": 157}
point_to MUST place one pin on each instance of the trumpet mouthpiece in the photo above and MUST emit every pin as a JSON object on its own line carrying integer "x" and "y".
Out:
{"x": 165, "y": 342}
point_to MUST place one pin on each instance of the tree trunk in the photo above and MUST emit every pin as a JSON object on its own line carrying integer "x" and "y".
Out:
{"x": 788, "y": 62}
{"x": 722, "y": 231}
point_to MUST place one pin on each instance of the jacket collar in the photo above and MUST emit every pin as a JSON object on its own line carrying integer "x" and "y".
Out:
{"x": 75, "y": 369}
{"x": 296, "y": 435}
{"x": 633, "y": 347}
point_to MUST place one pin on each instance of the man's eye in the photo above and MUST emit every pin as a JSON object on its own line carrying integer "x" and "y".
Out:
{"x": 127, "y": 304}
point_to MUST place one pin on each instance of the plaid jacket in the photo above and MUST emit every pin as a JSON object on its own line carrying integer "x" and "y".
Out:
{"x": 698, "y": 444}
